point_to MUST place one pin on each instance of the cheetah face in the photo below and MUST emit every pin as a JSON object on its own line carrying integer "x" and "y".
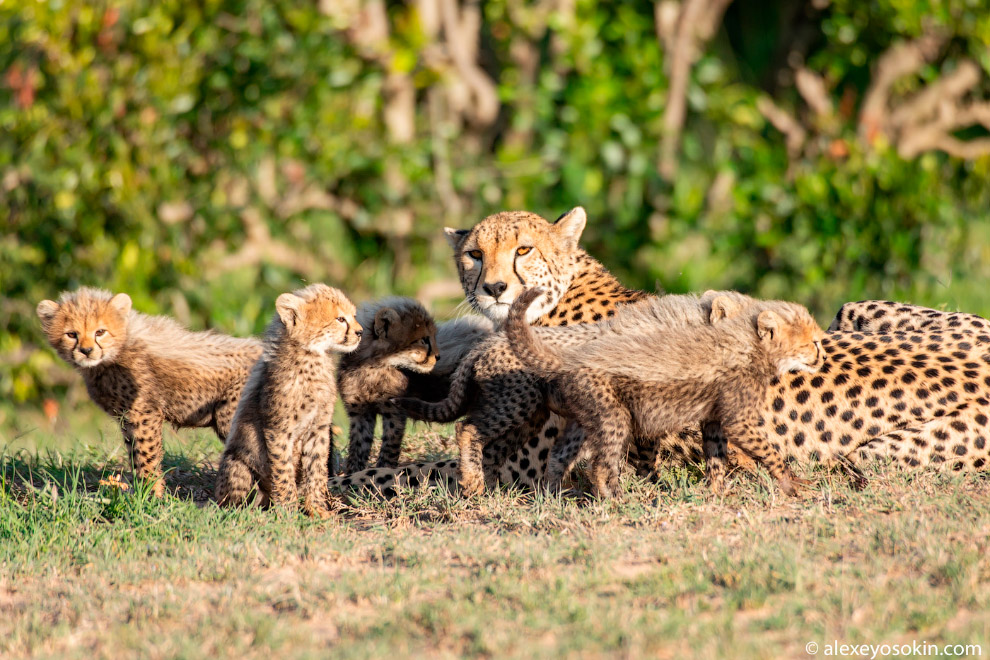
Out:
{"x": 409, "y": 342}
{"x": 88, "y": 328}
{"x": 321, "y": 319}
{"x": 420, "y": 356}
{"x": 807, "y": 357}
{"x": 507, "y": 253}
{"x": 792, "y": 338}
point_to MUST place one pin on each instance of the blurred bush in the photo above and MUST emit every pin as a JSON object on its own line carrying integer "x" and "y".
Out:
{"x": 206, "y": 156}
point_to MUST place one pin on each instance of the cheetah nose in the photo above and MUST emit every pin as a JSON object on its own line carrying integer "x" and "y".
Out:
{"x": 495, "y": 289}
{"x": 86, "y": 351}
{"x": 357, "y": 333}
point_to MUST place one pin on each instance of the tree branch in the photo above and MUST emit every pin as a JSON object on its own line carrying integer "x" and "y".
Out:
{"x": 696, "y": 24}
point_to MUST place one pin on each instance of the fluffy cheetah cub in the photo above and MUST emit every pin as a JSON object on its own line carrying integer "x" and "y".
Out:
{"x": 148, "y": 370}
{"x": 501, "y": 397}
{"x": 402, "y": 353}
{"x": 281, "y": 437}
{"x": 647, "y": 373}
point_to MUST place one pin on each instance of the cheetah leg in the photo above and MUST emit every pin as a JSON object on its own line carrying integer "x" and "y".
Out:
{"x": 142, "y": 428}
{"x": 683, "y": 447}
{"x": 282, "y": 467}
{"x": 234, "y": 481}
{"x": 472, "y": 476}
{"x": 607, "y": 424}
{"x": 959, "y": 441}
{"x": 564, "y": 455}
{"x": 739, "y": 459}
{"x": 643, "y": 456}
{"x": 715, "y": 448}
{"x": 243, "y": 468}
{"x": 223, "y": 417}
{"x": 362, "y": 435}
{"x": 333, "y": 458}
{"x": 315, "y": 450}
{"x": 744, "y": 432}
{"x": 612, "y": 433}
{"x": 393, "y": 429}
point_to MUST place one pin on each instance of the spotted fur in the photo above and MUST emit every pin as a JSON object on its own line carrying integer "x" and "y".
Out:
{"x": 281, "y": 439}
{"x": 402, "y": 353}
{"x": 919, "y": 399}
{"x": 580, "y": 288}
{"x": 148, "y": 370}
{"x": 886, "y": 316}
{"x": 659, "y": 366}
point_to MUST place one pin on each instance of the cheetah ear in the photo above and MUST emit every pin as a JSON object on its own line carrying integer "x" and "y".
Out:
{"x": 569, "y": 226}
{"x": 455, "y": 236}
{"x": 384, "y": 319}
{"x": 122, "y": 303}
{"x": 723, "y": 308}
{"x": 768, "y": 324}
{"x": 47, "y": 309}
{"x": 287, "y": 306}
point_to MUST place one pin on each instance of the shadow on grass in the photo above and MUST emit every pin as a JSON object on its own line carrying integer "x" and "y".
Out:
{"x": 187, "y": 476}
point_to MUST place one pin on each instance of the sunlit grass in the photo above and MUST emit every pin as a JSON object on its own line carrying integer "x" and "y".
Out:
{"x": 89, "y": 569}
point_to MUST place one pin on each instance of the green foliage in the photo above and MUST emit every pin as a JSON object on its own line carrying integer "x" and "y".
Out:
{"x": 137, "y": 142}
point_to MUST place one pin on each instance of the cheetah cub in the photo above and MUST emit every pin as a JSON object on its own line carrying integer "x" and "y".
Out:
{"x": 500, "y": 397}
{"x": 647, "y": 374}
{"x": 399, "y": 355}
{"x": 148, "y": 370}
{"x": 281, "y": 437}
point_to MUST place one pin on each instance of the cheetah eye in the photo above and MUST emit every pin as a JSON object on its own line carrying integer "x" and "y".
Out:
{"x": 341, "y": 319}
{"x": 476, "y": 254}
{"x": 71, "y": 335}
{"x": 100, "y": 332}
{"x": 523, "y": 251}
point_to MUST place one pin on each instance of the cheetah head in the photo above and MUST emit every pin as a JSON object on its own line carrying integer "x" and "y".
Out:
{"x": 402, "y": 332}
{"x": 320, "y": 319}
{"x": 506, "y": 253}
{"x": 791, "y": 338}
{"x": 86, "y": 327}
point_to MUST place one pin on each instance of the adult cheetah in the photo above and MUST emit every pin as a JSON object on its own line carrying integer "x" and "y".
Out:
{"x": 496, "y": 260}
{"x": 887, "y": 316}
{"x": 917, "y": 398}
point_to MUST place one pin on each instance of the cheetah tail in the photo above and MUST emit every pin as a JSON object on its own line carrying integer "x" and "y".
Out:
{"x": 462, "y": 386}
{"x": 529, "y": 348}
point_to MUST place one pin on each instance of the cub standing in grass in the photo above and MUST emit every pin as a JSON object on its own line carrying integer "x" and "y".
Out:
{"x": 648, "y": 373}
{"x": 281, "y": 436}
{"x": 148, "y": 370}
{"x": 403, "y": 353}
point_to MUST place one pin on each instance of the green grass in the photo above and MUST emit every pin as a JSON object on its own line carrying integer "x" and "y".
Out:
{"x": 89, "y": 571}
